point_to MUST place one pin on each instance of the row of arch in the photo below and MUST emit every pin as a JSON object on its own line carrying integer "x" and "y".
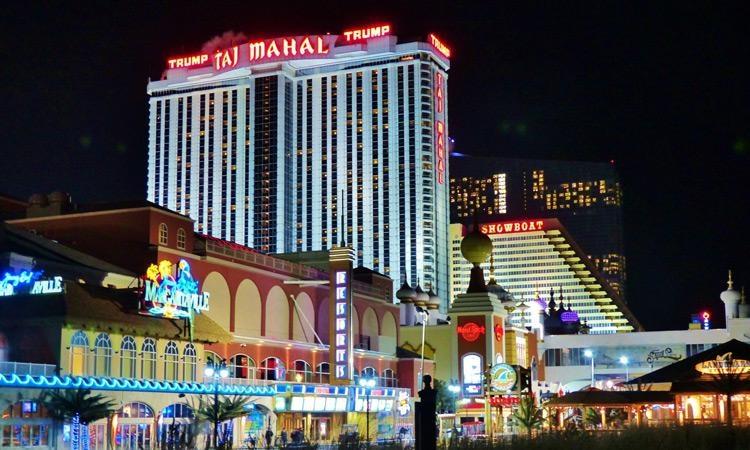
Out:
{"x": 272, "y": 368}
{"x": 299, "y": 319}
{"x": 134, "y": 361}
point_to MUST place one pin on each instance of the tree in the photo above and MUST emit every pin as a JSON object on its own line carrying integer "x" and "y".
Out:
{"x": 592, "y": 417}
{"x": 76, "y": 405}
{"x": 528, "y": 415}
{"x": 217, "y": 410}
{"x": 444, "y": 400}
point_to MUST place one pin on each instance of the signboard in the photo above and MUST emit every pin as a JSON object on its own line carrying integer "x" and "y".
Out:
{"x": 29, "y": 282}
{"x": 403, "y": 407}
{"x": 439, "y": 46}
{"x": 342, "y": 347}
{"x": 470, "y": 332}
{"x": 724, "y": 364}
{"x": 171, "y": 291}
{"x": 512, "y": 227}
{"x": 362, "y": 34}
{"x": 503, "y": 378}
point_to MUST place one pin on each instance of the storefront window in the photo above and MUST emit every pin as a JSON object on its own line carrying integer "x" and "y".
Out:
{"x": 242, "y": 366}
{"x": 135, "y": 410}
{"x": 79, "y": 348}
{"x": 171, "y": 361}
{"x": 148, "y": 368}
{"x": 24, "y": 424}
{"x": 127, "y": 357}
{"x": 191, "y": 361}
{"x": 174, "y": 423}
{"x": 103, "y": 355}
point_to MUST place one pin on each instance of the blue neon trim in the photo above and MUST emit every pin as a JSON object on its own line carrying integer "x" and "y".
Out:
{"x": 128, "y": 384}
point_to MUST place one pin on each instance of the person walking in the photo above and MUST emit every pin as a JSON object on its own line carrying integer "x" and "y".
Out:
{"x": 284, "y": 437}
{"x": 269, "y": 437}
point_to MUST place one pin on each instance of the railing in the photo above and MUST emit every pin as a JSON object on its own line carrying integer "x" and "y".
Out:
{"x": 260, "y": 376}
{"x": 23, "y": 368}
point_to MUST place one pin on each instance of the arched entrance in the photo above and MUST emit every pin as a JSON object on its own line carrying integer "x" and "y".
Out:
{"x": 254, "y": 424}
{"x": 133, "y": 425}
{"x": 174, "y": 426}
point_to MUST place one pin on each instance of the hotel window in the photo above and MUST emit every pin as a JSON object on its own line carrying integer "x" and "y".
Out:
{"x": 389, "y": 378}
{"x": 148, "y": 359}
{"x": 171, "y": 361}
{"x": 163, "y": 234}
{"x": 102, "y": 355}
{"x": 181, "y": 238}
{"x": 127, "y": 357}
{"x": 79, "y": 348}
{"x": 190, "y": 363}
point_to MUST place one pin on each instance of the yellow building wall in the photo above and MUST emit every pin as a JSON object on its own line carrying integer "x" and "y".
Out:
{"x": 440, "y": 346}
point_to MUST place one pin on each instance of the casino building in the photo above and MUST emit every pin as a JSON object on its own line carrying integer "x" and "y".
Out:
{"x": 127, "y": 300}
{"x": 537, "y": 262}
{"x": 282, "y": 144}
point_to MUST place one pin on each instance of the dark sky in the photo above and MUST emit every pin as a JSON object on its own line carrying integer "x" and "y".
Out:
{"x": 661, "y": 89}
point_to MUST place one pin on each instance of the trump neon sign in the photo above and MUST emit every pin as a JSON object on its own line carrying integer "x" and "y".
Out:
{"x": 362, "y": 34}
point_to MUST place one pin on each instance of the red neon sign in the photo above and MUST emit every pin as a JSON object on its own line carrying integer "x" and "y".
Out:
{"x": 440, "y": 150}
{"x": 439, "y": 100}
{"x": 512, "y": 227}
{"x": 362, "y": 34}
{"x": 439, "y": 46}
{"x": 499, "y": 332}
{"x": 470, "y": 332}
{"x": 288, "y": 47}
{"x": 226, "y": 58}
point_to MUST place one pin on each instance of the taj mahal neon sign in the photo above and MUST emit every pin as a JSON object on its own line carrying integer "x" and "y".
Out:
{"x": 172, "y": 296}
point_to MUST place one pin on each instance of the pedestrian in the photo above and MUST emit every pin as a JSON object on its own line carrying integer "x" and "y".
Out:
{"x": 269, "y": 437}
{"x": 284, "y": 437}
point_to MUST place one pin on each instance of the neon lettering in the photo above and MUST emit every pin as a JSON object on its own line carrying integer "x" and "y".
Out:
{"x": 361, "y": 34}
{"x": 439, "y": 46}
{"x": 512, "y": 227}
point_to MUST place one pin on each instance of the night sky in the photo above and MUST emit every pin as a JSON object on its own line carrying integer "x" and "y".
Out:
{"x": 661, "y": 90}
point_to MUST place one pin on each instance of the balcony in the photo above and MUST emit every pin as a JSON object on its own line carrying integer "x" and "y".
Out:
{"x": 22, "y": 368}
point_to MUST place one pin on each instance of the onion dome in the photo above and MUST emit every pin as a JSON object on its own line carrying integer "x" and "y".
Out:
{"x": 422, "y": 297}
{"x": 730, "y": 295}
{"x": 406, "y": 294}
{"x": 476, "y": 247}
{"x": 434, "y": 301}
{"x": 58, "y": 197}
{"x": 38, "y": 200}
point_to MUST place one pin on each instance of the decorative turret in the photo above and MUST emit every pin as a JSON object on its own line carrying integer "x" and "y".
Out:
{"x": 406, "y": 294}
{"x": 421, "y": 298}
{"x": 743, "y": 308}
{"x": 476, "y": 247}
{"x": 731, "y": 298}
{"x": 433, "y": 303}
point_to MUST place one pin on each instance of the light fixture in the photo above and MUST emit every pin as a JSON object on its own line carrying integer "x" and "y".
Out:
{"x": 209, "y": 371}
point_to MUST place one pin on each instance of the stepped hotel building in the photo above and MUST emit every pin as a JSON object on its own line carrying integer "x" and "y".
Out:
{"x": 298, "y": 143}
{"x": 530, "y": 258}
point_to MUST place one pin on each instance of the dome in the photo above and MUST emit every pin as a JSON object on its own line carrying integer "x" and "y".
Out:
{"x": 422, "y": 297}
{"x": 730, "y": 295}
{"x": 434, "y": 301}
{"x": 38, "y": 199}
{"x": 58, "y": 197}
{"x": 476, "y": 247}
{"x": 406, "y": 294}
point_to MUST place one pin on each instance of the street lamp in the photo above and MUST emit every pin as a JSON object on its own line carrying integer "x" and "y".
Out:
{"x": 425, "y": 315}
{"x": 367, "y": 384}
{"x": 590, "y": 354}
{"x": 217, "y": 371}
{"x": 624, "y": 361}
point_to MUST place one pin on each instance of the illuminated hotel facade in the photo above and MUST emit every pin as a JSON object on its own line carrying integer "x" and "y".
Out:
{"x": 280, "y": 144}
{"x": 531, "y": 258}
{"x": 586, "y": 197}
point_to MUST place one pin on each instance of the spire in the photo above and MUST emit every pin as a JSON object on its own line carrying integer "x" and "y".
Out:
{"x": 730, "y": 283}
{"x": 492, "y": 270}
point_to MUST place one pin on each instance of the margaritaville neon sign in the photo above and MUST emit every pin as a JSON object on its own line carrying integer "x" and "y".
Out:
{"x": 172, "y": 296}
{"x": 29, "y": 282}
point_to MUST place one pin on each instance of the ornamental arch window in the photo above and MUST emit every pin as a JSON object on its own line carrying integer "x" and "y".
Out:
{"x": 171, "y": 361}
{"x": 102, "y": 355}
{"x": 128, "y": 355}
{"x": 79, "y": 350}
{"x": 148, "y": 359}
{"x": 190, "y": 359}
{"x": 163, "y": 234}
{"x": 181, "y": 238}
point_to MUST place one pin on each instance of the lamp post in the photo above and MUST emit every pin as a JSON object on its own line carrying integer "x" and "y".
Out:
{"x": 367, "y": 384}
{"x": 590, "y": 354}
{"x": 454, "y": 388}
{"x": 624, "y": 361}
{"x": 425, "y": 315}
{"x": 217, "y": 371}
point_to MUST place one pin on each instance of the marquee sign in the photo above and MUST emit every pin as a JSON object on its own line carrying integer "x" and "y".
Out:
{"x": 341, "y": 261}
{"x": 29, "y": 282}
{"x": 512, "y": 227}
{"x": 172, "y": 296}
{"x": 362, "y": 34}
{"x": 470, "y": 332}
{"x": 439, "y": 46}
{"x": 724, "y": 364}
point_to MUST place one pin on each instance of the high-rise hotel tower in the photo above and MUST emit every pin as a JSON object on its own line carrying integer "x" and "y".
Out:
{"x": 278, "y": 144}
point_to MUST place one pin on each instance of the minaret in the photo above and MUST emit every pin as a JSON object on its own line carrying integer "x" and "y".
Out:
{"x": 731, "y": 298}
{"x": 743, "y": 309}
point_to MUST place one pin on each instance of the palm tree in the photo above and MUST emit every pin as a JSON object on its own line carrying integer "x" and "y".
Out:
{"x": 67, "y": 404}
{"x": 216, "y": 410}
{"x": 528, "y": 415}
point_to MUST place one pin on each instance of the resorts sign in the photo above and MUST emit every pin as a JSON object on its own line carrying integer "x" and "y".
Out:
{"x": 172, "y": 292}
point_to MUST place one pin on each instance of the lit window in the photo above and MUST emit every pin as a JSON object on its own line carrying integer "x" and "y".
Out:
{"x": 181, "y": 238}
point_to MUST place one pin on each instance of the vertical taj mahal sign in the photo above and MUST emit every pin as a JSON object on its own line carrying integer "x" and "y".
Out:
{"x": 340, "y": 315}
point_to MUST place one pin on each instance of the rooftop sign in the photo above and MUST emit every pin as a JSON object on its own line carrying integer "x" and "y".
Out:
{"x": 29, "y": 282}
{"x": 518, "y": 226}
{"x": 362, "y": 34}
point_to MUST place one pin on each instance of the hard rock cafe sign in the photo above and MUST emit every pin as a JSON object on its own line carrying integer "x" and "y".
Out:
{"x": 470, "y": 332}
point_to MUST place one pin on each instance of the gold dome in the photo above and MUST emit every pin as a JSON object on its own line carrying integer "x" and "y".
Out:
{"x": 476, "y": 247}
